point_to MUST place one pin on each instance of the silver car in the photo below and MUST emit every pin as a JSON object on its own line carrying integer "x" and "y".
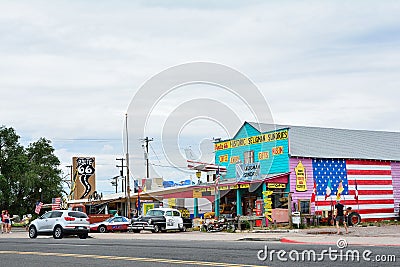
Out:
{"x": 60, "y": 223}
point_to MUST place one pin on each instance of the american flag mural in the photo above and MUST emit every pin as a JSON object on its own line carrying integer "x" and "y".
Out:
{"x": 373, "y": 180}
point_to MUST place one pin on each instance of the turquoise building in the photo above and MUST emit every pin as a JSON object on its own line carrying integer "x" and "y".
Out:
{"x": 255, "y": 162}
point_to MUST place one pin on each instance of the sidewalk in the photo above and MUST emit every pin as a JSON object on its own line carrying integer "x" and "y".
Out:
{"x": 388, "y": 235}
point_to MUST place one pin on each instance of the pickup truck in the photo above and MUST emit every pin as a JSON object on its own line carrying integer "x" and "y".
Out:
{"x": 161, "y": 219}
{"x": 93, "y": 217}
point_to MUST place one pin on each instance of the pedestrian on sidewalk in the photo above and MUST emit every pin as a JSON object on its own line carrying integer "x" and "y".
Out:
{"x": 6, "y": 222}
{"x": 339, "y": 216}
{"x": 3, "y": 224}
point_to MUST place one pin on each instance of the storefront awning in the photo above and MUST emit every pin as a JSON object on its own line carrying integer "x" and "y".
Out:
{"x": 282, "y": 178}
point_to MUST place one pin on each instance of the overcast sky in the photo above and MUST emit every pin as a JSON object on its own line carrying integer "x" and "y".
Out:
{"x": 69, "y": 69}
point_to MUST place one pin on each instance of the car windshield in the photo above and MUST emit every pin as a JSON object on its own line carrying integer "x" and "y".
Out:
{"x": 110, "y": 219}
{"x": 155, "y": 213}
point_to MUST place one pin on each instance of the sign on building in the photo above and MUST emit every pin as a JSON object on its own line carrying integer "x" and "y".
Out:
{"x": 301, "y": 178}
{"x": 248, "y": 172}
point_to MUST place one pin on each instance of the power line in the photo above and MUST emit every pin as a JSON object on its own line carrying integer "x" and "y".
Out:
{"x": 155, "y": 153}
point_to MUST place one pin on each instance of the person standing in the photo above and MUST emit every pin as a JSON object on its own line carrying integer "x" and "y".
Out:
{"x": 6, "y": 222}
{"x": 3, "y": 225}
{"x": 339, "y": 216}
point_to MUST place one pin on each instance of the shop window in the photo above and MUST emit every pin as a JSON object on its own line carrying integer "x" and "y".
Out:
{"x": 249, "y": 157}
{"x": 304, "y": 206}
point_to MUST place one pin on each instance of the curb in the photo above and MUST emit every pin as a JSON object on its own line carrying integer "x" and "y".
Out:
{"x": 273, "y": 239}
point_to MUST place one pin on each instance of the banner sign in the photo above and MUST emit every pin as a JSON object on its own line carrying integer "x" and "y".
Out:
{"x": 267, "y": 204}
{"x": 301, "y": 178}
{"x": 273, "y": 185}
{"x": 263, "y": 138}
{"x": 197, "y": 193}
{"x": 247, "y": 172}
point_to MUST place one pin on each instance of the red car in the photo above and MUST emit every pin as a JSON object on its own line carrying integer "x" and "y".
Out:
{"x": 117, "y": 223}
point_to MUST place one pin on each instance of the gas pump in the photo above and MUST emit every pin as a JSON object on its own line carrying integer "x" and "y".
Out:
{"x": 259, "y": 211}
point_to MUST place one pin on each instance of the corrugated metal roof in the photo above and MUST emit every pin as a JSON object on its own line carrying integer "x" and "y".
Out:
{"x": 317, "y": 142}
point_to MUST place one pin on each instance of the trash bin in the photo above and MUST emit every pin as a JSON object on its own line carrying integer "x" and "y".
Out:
{"x": 296, "y": 218}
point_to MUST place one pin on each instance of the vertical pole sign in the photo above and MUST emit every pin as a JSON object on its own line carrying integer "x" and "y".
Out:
{"x": 84, "y": 176}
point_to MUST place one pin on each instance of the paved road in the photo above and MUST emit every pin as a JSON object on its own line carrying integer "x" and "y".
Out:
{"x": 162, "y": 250}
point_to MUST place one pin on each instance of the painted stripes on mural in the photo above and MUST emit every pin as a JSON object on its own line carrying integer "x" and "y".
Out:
{"x": 370, "y": 180}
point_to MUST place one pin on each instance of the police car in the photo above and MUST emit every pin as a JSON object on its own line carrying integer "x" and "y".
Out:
{"x": 159, "y": 219}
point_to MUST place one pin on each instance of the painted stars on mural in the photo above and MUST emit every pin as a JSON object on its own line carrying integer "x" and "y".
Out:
{"x": 330, "y": 170}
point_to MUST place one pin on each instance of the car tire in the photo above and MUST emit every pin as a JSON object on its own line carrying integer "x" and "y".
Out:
{"x": 231, "y": 228}
{"x": 58, "y": 232}
{"x": 83, "y": 236}
{"x": 156, "y": 228}
{"x": 353, "y": 219}
{"x": 136, "y": 231}
{"x": 183, "y": 229}
{"x": 32, "y": 232}
{"x": 102, "y": 229}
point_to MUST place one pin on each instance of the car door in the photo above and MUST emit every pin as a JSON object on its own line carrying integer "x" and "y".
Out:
{"x": 116, "y": 224}
{"x": 43, "y": 222}
{"x": 178, "y": 219}
{"x": 170, "y": 220}
{"x": 53, "y": 219}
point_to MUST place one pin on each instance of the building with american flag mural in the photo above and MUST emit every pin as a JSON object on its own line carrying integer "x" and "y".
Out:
{"x": 262, "y": 163}
{"x": 364, "y": 164}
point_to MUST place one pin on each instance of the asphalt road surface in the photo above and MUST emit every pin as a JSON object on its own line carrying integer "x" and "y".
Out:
{"x": 71, "y": 251}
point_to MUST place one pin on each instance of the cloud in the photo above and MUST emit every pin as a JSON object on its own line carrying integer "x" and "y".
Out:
{"x": 70, "y": 69}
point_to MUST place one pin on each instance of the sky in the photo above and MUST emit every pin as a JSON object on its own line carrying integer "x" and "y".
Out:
{"x": 69, "y": 71}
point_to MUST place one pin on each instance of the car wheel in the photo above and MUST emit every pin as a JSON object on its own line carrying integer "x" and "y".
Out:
{"x": 83, "y": 236}
{"x": 231, "y": 228}
{"x": 32, "y": 232}
{"x": 354, "y": 219}
{"x": 156, "y": 228}
{"x": 136, "y": 231}
{"x": 102, "y": 229}
{"x": 58, "y": 232}
{"x": 183, "y": 229}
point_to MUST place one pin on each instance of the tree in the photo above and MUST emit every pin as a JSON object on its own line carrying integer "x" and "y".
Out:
{"x": 26, "y": 172}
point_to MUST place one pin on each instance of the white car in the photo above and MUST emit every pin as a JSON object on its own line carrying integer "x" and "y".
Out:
{"x": 60, "y": 223}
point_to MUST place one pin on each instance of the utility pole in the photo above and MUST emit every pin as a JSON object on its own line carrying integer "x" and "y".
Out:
{"x": 128, "y": 188}
{"x": 115, "y": 183}
{"x": 122, "y": 166}
{"x": 146, "y": 141}
{"x": 71, "y": 180}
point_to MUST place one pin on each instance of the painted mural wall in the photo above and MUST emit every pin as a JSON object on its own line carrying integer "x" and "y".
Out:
{"x": 270, "y": 151}
{"x": 396, "y": 185}
{"x": 369, "y": 187}
{"x": 301, "y": 195}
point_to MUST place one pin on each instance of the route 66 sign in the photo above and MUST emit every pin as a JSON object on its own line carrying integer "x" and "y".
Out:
{"x": 84, "y": 177}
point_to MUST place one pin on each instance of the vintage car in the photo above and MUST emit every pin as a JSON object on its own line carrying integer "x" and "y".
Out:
{"x": 117, "y": 223}
{"x": 161, "y": 219}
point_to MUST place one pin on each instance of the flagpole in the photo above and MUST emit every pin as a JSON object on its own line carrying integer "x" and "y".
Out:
{"x": 358, "y": 204}
{"x": 331, "y": 208}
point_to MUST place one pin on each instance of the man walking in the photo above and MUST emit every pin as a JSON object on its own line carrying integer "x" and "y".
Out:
{"x": 339, "y": 216}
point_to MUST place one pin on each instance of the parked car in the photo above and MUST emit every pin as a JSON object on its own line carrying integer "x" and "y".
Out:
{"x": 160, "y": 219}
{"x": 60, "y": 223}
{"x": 117, "y": 223}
